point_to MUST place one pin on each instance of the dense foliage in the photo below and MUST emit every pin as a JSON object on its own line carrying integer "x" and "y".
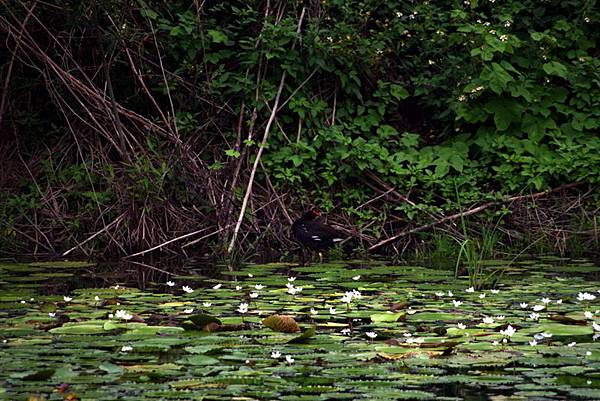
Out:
{"x": 468, "y": 100}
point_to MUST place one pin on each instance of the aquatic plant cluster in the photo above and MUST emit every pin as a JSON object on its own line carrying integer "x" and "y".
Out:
{"x": 346, "y": 331}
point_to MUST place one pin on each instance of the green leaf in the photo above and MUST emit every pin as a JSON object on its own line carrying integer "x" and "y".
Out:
{"x": 217, "y": 36}
{"x": 201, "y": 320}
{"x": 232, "y": 153}
{"x": 555, "y": 68}
{"x": 296, "y": 160}
{"x": 399, "y": 92}
{"x": 505, "y": 111}
{"x": 306, "y": 334}
{"x": 388, "y": 317}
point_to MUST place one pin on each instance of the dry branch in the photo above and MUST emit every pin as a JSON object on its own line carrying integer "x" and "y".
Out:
{"x": 261, "y": 149}
{"x": 469, "y": 212}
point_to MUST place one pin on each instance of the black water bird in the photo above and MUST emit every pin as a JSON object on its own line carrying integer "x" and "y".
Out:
{"x": 314, "y": 234}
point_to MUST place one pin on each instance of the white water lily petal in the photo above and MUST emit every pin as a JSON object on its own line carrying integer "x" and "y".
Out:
{"x": 509, "y": 331}
{"x": 243, "y": 308}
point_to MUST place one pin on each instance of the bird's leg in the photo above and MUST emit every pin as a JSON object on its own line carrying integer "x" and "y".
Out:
{"x": 303, "y": 257}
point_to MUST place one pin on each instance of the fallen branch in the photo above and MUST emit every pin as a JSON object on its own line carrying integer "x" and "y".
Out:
{"x": 116, "y": 221}
{"x": 168, "y": 242}
{"x": 470, "y": 212}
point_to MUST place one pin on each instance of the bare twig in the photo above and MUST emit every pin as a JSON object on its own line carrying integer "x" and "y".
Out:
{"x": 468, "y": 213}
{"x": 79, "y": 245}
{"x": 260, "y": 151}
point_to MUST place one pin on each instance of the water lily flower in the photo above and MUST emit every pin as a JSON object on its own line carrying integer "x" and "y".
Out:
{"x": 96, "y": 298}
{"x": 533, "y": 343}
{"x": 509, "y": 331}
{"x": 415, "y": 340}
{"x": 31, "y": 299}
{"x": 546, "y": 301}
{"x": 371, "y": 334}
{"x": 588, "y": 315}
{"x": 494, "y": 291}
{"x": 313, "y": 311}
{"x": 289, "y": 359}
{"x": 250, "y": 275}
{"x": 51, "y": 314}
{"x": 188, "y": 310}
{"x": 238, "y": 287}
{"x": 482, "y": 295}
{"x": 170, "y": 283}
{"x": 541, "y": 336}
{"x": 470, "y": 289}
{"x": 66, "y": 298}
{"x": 187, "y": 289}
{"x": 559, "y": 301}
{"x": 24, "y": 302}
{"x": 407, "y": 334}
{"x": 122, "y": 314}
{"x": 450, "y": 294}
{"x": 439, "y": 294}
{"x": 356, "y": 278}
{"x": 207, "y": 304}
{"x": 216, "y": 287}
{"x": 254, "y": 295}
{"x": 534, "y": 316}
{"x": 461, "y": 326}
{"x": 571, "y": 344}
{"x": 346, "y": 331}
{"x": 294, "y": 290}
{"x": 347, "y": 298}
{"x": 588, "y": 353}
{"x": 596, "y": 326}
{"x": 332, "y": 310}
{"x": 457, "y": 303}
{"x": 495, "y": 343}
{"x": 243, "y": 308}
{"x": 538, "y": 308}
{"x": 290, "y": 279}
{"x": 356, "y": 294}
{"x": 585, "y": 296}
{"x": 500, "y": 317}
{"x": 126, "y": 348}
{"x": 116, "y": 286}
{"x": 259, "y": 286}
{"x": 523, "y": 305}
{"x": 110, "y": 315}
{"x": 275, "y": 354}
{"x": 488, "y": 320}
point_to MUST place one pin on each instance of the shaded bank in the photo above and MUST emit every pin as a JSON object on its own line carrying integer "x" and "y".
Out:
{"x": 163, "y": 129}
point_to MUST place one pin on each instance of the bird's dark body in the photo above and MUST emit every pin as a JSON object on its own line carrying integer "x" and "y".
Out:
{"x": 313, "y": 234}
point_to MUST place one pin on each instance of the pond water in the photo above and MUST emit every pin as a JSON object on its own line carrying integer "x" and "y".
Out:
{"x": 404, "y": 333}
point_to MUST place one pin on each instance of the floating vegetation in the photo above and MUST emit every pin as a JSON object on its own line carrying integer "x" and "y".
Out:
{"x": 337, "y": 331}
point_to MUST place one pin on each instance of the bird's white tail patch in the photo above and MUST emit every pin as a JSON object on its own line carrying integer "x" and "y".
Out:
{"x": 316, "y": 237}
{"x": 338, "y": 239}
